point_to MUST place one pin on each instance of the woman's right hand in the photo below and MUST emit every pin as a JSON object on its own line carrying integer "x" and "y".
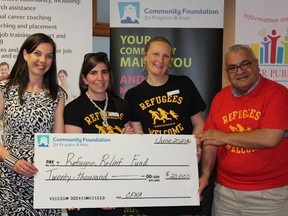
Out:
{"x": 25, "y": 168}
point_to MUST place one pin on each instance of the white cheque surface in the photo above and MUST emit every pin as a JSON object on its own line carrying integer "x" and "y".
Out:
{"x": 116, "y": 170}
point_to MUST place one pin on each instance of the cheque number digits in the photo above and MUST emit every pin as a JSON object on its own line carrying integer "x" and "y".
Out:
{"x": 87, "y": 198}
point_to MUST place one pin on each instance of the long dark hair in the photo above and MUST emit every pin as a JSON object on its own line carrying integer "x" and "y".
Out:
{"x": 89, "y": 62}
{"x": 19, "y": 74}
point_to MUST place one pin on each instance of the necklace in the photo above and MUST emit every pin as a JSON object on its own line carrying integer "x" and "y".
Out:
{"x": 103, "y": 113}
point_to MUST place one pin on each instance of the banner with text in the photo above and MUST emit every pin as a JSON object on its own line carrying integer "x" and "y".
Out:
{"x": 264, "y": 27}
{"x": 195, "y": 29}
{"x": 57, "y": 18}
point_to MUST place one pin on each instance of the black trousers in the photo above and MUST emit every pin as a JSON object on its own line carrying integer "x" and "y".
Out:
{"x": 96, "y": 212}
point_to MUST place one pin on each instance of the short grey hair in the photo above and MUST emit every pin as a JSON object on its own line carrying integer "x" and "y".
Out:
{"x": 237, "y": 47}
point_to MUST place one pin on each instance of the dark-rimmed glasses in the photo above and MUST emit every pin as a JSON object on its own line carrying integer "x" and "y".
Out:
{"x": 231, "y": 69}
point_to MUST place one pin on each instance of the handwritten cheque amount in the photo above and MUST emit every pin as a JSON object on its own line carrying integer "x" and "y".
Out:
{"x": 116, "y": 170}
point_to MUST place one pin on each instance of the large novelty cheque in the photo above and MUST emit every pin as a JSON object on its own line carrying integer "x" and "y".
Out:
{"x": 116, "y": 170}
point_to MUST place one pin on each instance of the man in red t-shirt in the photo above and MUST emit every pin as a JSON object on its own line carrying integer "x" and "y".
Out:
{"x": 246, "y": 133}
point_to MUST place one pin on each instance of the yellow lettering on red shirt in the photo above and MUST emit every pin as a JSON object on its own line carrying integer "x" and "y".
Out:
{"x": 241, "y": 114}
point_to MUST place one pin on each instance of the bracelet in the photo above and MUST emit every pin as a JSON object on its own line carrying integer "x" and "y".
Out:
{"x": 10, "y": 161}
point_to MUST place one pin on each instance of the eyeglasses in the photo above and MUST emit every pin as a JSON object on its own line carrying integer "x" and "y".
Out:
{"x": 97, "y": 55}
{"x": 243, "y": 65}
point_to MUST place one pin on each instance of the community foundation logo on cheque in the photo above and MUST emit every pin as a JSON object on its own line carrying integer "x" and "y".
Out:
{"x": 129, "y": 12}
{"x": 43, "y": 140}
